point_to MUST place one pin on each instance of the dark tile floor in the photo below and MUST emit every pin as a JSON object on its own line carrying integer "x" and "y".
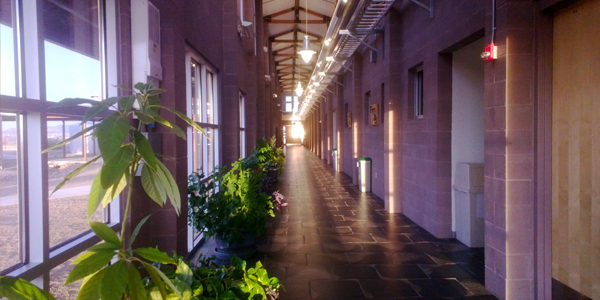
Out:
{"x": 334, "y": 242}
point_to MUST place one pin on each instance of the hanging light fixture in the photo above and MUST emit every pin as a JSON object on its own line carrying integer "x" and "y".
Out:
{"x": 299, "y": 90}
{"x": 306, "y": 52}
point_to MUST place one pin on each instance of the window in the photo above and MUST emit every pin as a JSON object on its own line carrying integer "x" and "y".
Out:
{"x": 75, "y": 47}
{"x": 418, "y": 93}
{"x": 382, "y": 105}
{"x": 367, "y": 109}
{"x": 11, "y": 220}
{"x": 242, "y": 126}
{"x": 7, "y": 50}
{"x": 202, "y": 107}
{"x": 289, "y": 103}
{"x": 73, "y": 196}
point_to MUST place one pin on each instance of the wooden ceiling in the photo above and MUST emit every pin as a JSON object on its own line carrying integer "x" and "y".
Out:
{"x": 287, "y": 24}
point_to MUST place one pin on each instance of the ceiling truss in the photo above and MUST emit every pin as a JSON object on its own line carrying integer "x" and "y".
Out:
{"x": 286, "y": 43}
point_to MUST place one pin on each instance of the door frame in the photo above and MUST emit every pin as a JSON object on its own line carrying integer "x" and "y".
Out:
{"x": 544, "y": 27}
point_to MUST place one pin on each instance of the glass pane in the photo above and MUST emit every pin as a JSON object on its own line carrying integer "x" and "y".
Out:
{"x": 288, "y": 107}
{"x": 10, "y": 209}
{"x": 210, "y": 153}
{"x": 242, "y": 143}
{"x": 72, "y": 198}
{"x": 7, "y": 50}
{"x": 242, "y": 113}
{"x": 197, "y": 140}
{"x": 72, "y": 50}
{"x": 210, "y": 98}
{"x": 196, "y": 92}
{"x": 58, "y": 276}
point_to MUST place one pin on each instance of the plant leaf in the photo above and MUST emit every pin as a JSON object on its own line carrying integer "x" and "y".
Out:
{"x": 104, "y": 247}
{"x": 81, "y": 257}
{"x": 140, "y": 86}
{"x": 109, "y": 195}
{"x": 136, "y": 287}
{"x": 153, "y": 100}
{"x": 183, "y": 117}
{"x": 96, "y": 194}
{"x": 113, "y": 286}
{"x": 227, "y": 295}
{"x": 90, "y": 287}
{"x": 170, "y": 185}
{"x": 106, "y": 233}
{"x": 74, "y": 101}
{"x": 174, "y": 128}
{"x": 145, "y": 118}
{"x": 184, "y": 273}
{"x": 126, "y": 103}
{"x": 152, "y": 186}
{"x": 155, "y": 91}
{"x": 122, "y": 87}
{"x": 18, "y": 288}
{"x": 98, "y": 108}
{"x": 154, "y": 255}
{"x": 137, "y": 229}
{"x": 145, "y": 149}
{"x": 74, "y": 173}
{"x": 165, "y": 279}
{"x": 115, "y": 167}
{"x": 111, "y": 133}
{"x": 59, "y": 144}
{"x": 156, "y": 279}
{"x": 89, "y": 266}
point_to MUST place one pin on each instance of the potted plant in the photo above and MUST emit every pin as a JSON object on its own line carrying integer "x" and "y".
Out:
{"x": 231, "y": 206}
{"x": 211, "y": 281}
{"x": 123, "y": 148}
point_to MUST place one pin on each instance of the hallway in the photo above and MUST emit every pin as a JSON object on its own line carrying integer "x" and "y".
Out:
{"x": 334, "y": 242}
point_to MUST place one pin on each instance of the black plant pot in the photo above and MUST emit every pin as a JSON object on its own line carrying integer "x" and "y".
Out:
{"x": 272, "y": 174}
{"x": 244, "y": 250}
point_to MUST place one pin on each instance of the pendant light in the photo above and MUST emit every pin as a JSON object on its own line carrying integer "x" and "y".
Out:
{"x": 306, "y": 52}
{"x": 299, "y": 90}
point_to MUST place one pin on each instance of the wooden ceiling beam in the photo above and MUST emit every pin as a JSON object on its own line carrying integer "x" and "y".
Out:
{"x": 283, "y": 49}
{"x": 297, "y": 42}
{"x": 297, "y": 22}
{"x": 318, "y": 37}
{"x": 314, "y": 13}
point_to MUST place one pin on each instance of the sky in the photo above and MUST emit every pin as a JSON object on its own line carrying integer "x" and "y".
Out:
{"x": 68, "y": 74}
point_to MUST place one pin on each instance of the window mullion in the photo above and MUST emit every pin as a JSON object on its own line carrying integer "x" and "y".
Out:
{"x": 31, "y": 50}
{"x": 36, "y": 197}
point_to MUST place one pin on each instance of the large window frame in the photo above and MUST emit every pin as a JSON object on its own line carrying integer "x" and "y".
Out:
{"x": 242, "y": 125}
{"x": 418, "y": 91}
{"x": 33, "y": 110}
{"x": 205, "y": 89}
{"x": 290, "y": 103}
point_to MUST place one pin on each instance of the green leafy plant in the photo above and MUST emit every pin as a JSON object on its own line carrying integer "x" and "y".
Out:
{"x": 211, "y": 281}
{"x": 20, "y": 289}
{"x": 266, "y": 156}
{"x": 123, "y": 150}
{"x": 230, "y": 203}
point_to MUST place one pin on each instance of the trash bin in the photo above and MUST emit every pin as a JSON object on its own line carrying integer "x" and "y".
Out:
{"x": 364, "y": 174}
{"x": 468, "y": 199}
{"x": 334, "y": 154}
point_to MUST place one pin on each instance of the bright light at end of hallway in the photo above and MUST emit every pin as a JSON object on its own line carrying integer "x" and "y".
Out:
{"x": 298, "y": 131}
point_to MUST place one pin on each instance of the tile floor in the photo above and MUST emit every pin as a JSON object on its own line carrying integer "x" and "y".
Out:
{"x": 334, "y": 242}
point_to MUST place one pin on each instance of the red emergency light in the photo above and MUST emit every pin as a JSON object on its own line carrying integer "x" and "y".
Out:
{"x": 490, "y": 52}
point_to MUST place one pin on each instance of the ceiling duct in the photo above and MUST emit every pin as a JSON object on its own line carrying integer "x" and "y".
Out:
{"x": 358, "y": 17}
